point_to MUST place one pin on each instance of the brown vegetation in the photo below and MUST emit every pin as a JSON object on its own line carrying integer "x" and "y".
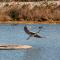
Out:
{"x": 41, "y": 13}
{"x": 25, "y": 0}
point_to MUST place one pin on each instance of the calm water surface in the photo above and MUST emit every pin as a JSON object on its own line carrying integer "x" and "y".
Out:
{"x": 47, "y": 48}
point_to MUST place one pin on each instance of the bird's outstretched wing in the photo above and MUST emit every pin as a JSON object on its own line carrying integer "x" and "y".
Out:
{"x": 26, "y": 29}
{"x": 37, "y": 36}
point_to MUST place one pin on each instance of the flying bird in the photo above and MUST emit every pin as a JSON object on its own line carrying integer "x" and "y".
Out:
{"x": 32, "y": 34}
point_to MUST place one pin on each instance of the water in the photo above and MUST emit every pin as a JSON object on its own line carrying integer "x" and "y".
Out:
{"x": 47, "y": 48}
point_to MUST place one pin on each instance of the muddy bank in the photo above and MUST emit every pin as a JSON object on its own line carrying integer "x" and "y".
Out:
{"x": 30, "y": 22}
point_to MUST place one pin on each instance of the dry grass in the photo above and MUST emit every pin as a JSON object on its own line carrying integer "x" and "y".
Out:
{"x": 38, "y": 14}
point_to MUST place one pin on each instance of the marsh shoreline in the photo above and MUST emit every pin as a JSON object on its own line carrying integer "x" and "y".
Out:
{"x": 30, "y": 22}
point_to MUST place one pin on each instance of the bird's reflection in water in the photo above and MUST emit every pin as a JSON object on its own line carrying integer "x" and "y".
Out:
{"x": 32, "y": 54}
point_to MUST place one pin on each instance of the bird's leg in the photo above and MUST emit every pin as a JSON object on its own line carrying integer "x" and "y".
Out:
{"x": 28, "y": 37}
{"x": 38, "y": 31}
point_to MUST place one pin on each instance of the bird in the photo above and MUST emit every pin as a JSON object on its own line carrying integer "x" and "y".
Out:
{"x": 32, "y": 34}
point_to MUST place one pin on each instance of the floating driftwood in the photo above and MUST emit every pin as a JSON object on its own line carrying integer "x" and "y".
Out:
{"x": 14, "y": 47}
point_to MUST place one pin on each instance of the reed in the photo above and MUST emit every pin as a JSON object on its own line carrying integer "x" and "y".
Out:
{"x": 41, "y": 13}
